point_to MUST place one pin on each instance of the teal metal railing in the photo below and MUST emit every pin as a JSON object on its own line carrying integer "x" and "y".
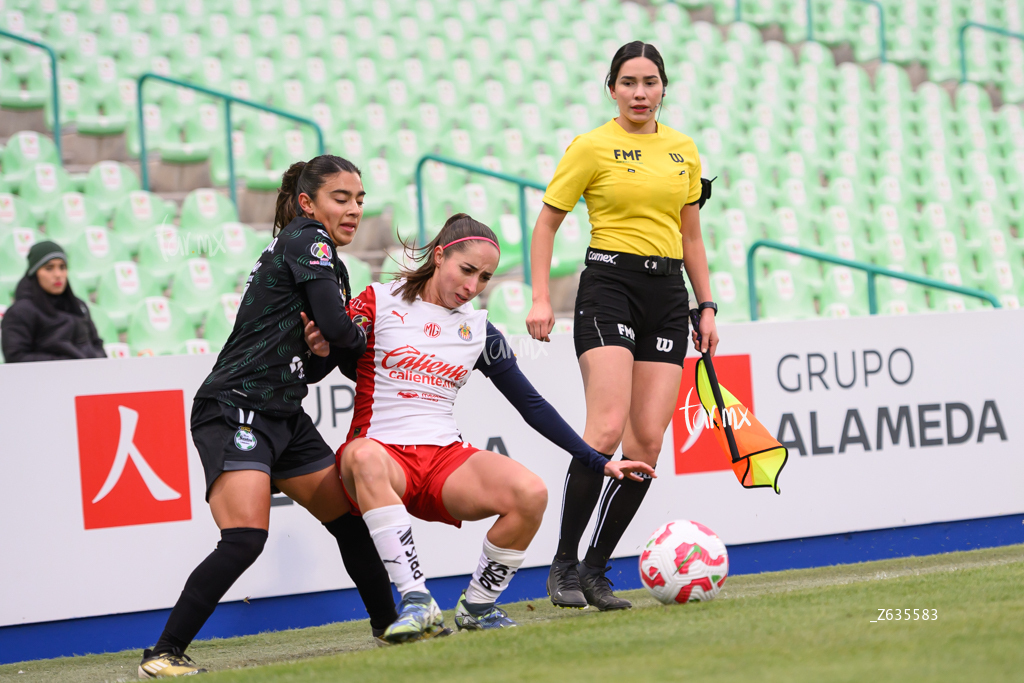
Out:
{"x": 983, "y": 27}
{"x": 54, "y": 86}
{"x": 523, "y": 183}
{"x": 882, "y": 47}
{"x": 872, "y": 270}
{"x": 229, "y": 99}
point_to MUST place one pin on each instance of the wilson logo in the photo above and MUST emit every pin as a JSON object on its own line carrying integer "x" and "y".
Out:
{"x": 664, "y": 345}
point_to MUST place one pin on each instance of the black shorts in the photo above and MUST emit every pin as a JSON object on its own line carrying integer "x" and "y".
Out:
{"x": 230, "y": 439}
{"x": 647, "y": 314}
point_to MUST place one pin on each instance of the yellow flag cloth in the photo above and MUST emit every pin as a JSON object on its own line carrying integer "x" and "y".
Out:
{"x": 757, "y": 457}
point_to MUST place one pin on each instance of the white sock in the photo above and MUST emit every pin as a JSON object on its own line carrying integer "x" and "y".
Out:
{"x": 391, "y": 530}
{"x": 495, "y": 570}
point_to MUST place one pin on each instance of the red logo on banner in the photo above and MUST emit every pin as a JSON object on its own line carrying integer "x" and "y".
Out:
{"x": 133, "y": 458}
{"x": 696, "y": 448}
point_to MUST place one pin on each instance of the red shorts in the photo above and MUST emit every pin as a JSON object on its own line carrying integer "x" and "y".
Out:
{"x": 426, "y": 469}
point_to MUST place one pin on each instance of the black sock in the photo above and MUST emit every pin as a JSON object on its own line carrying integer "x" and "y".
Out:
{"x": 582, "y": 489}
{"x": 621, "y": 500}
{"x": 364, "y": 565}
{"x": 237, "y": 550}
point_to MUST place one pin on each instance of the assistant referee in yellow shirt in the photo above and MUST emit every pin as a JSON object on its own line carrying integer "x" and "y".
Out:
{"x": 641, "y": 181}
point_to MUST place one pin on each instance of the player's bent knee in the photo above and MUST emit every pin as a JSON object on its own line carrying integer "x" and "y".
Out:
{"x": 605, "y": 435}
{"x": 531, "y": 495}
{"x": 364, "y": 459}
{"x": 244, "y": 543}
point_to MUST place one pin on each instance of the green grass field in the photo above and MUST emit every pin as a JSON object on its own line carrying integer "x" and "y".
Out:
{"x": 805, "y": 625}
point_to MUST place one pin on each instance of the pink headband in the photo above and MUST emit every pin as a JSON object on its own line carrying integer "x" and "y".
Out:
{"x": 473, "y": 237}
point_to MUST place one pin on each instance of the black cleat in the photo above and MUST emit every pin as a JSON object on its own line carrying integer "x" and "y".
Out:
{"x": 597, "y": 589}
{"x": 564, "y": 586}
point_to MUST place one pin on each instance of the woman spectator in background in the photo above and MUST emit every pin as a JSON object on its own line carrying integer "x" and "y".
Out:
{"x": 47, "y": 321}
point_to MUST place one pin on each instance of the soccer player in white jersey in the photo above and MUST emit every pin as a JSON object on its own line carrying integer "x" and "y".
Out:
{"x": 406, "y": 456}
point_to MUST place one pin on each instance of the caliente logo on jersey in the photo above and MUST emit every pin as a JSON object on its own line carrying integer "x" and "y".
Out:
{"x": 133, "y": 458}
{"x": 407, "y": 361}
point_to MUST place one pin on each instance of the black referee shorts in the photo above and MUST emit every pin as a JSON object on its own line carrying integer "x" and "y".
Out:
{"x": 230, "y": 439}
{"x": 647, "y": 314}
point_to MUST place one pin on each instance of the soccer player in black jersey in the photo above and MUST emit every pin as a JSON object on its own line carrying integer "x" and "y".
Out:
{"x": 247, "y": 419}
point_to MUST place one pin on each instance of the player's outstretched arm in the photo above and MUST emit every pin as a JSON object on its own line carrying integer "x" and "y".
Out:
{"x": 498, "y": 364}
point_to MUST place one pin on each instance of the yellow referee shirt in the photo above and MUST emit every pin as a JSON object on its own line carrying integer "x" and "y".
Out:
{"x": 635, "y": 186}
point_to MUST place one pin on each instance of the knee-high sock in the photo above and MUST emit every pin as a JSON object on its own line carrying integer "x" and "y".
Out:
{"x": 493, "y": 573}
{"x": 391, "y": 529}
{"x": 363, "y": 564}
{"x": 237, "y": 550}
{"x": 621, "y": 500}
{"x": 582, "y": 489}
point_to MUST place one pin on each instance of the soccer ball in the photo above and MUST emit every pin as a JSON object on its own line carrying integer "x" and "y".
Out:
{"x": 684, "y": 562}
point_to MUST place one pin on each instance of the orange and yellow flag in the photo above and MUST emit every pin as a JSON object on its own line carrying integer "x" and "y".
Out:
{"x": 757, "y": 456}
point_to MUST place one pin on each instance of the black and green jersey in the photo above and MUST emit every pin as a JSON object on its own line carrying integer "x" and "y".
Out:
{"x": 262, "y": 366}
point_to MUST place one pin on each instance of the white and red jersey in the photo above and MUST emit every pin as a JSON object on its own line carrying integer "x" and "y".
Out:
{"x": 418, "y": 356}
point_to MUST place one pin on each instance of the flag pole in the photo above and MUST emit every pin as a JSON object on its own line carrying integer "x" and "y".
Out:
{"x": 716, "y": 389}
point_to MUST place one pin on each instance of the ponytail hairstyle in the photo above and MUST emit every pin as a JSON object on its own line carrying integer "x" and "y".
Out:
{"x": 633, "y": 50}
{"x": 306, "y": 177}
{"x": 458, "y": 232}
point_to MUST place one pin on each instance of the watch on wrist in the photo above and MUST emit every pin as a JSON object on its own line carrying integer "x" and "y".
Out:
{"x": 708, "y": 304}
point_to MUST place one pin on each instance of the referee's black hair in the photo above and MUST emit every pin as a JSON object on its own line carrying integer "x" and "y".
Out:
{"x": 306, "y": 177}
{"x": 629, "y": 51}
{"x": 457, "y": 227}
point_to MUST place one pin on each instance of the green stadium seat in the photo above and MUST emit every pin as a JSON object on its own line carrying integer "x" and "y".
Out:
{"x": 195, "y": 282}
{"x": 507, "y": 305}
{"x": 27, "y": 84}
{"x": 14, "y": 212}
{"x": 220, "y": 320}
{"x": 570, "y": 243}
{"x": 136, "y": 214}
{"x": 102, "y": 111}
{"x": 405, "y": 219}
{"x": 105, "y": 327}
{"x": 783, "y": 298}
{"x": 844, "y": 293}
{"x": 395, "y": 260}
{"x": 233, "y": 248}
{"x": 899, "y": 297}
{"x": 732, "y": 297}
{"x": 381, "y": 191}
{"x": 68, "y": 217}
{"x": 107, "y": 184}
{"x": 43, "y": 187}
{"x": 14, "y": 246}
{"x": 159, "y": 327}
{"x": 92, "y": 253}
{"x": 120, "y": 289}
{"x": 359, "y": 272}
{"x": 207, "y": 207}
{"x": 161, "y": 252}
{"x": 23, "y": 151}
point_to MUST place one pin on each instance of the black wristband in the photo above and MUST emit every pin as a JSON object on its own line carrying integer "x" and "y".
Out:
{"x": 708, "y": 304}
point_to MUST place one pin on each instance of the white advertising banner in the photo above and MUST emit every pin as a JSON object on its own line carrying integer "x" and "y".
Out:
{"x": 890, "y": 421}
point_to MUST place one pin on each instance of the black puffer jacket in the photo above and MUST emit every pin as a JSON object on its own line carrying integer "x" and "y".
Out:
{"x": 41, "y": 326}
